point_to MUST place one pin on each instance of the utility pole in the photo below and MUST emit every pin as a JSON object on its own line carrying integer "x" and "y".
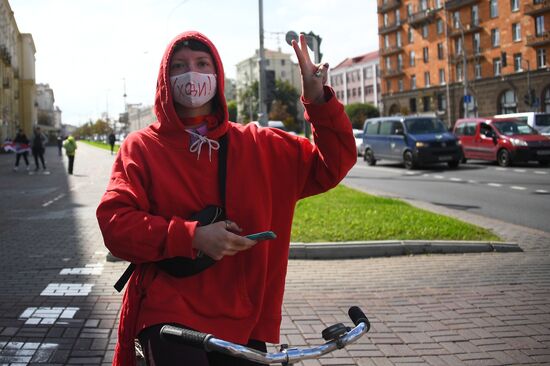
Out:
{"x": 464, "y": 69}
{"x": 262, "y": 115}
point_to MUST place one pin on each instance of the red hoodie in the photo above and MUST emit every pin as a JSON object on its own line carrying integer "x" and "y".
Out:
{"x": 157, "y": 183}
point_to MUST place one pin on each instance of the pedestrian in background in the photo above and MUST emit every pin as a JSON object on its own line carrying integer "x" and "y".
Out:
{"x": 194, "y": 160}
{"x": 22, "y": 148}
{"x": 59, "y": 144}
{"x": 38, "y": 145}
{"x": 70, "y": 150}
{"x": 112, "y": 139}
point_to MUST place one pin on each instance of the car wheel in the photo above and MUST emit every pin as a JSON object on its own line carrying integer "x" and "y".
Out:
{"x": 408, "y": 160}
{"x": 453, "y": 164}
{"x": 369, "y": 157}
{"x": 503, "y": 158}
{"x": 463, "y": 160}
{"x": 544, "y": 162}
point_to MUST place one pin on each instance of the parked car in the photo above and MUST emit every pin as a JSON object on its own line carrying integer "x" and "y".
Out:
{"x": 502, "y": 140}
{"x": 539, "y": 121}
{"x": 415, "y": 141}
{"x": 358, "y": 134}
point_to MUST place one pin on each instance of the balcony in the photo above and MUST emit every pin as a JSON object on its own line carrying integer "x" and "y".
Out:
{"x": 391, "y": 73}
{"x": 390, "y": 27}
{"x": 421, "y": 18}
{"x": 537, "y": 40}
{"x": 476, "y": 56}
{"x": 472, "y": 27}
{"x": 536, "y": 9}
{"x": 389, "y": 5}
{"x": 456, "y": 4}
{"x": 391, "y": 50}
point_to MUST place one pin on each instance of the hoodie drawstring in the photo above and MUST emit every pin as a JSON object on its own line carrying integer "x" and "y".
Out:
{"x": 200, "y": 140}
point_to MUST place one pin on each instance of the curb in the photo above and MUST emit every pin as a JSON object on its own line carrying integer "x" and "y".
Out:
{"x": 389, "y": 248}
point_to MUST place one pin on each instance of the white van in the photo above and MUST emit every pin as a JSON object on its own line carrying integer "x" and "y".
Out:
{"x": 539, "y": 121}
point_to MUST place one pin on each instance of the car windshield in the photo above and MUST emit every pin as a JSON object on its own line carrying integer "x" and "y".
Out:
{"x": 510, "y": 128}
{"x": 542, "y": 120}
{"x": 424, "y": 125}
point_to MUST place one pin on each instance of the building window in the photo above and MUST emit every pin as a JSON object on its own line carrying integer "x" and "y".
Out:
{"x": 440, "y": 53}
{"x": 282, "y": 62}
{"x": 399, "y": 62}
{"x": 400, "y": 85}
{"x": 475, "y": 15}
{"x": 456, "y": 20}
{"x": 425, "y": 31}
{"x": 438, "y": 4}
{"x": 427, "y": 79}
{"x": 386, "y": 41}
{"x": 439, "y": 26}
{"x": 441, "y": 102}
{"x": 441, "y": 76}
{"x": 410, "y": 35}
{"x": 411, "y": 58}
{"x": 388, "y": 85}
{"x": 517, "y": 62}
{"x": 388, "y": 63}
{"x": 398, "y": 34}
{"x": 508, "y": 102}
{"x": 386, "y": 19}
{"x": 409, "y": 9}
{"x": 546, "y": 101}
{"x": 476, "y": 42}
{"x": 495, "y": 37}
{"x": 413, "y": 82}
{"x": 493, "y": 8}
{"x": 368, "y": 73}
{"x": 541, "y": 58}
{"x": 477, "y": 70}
{"x": 539, "y": 25}
{"x": 515, "y": 5}
{"x": 497, "y": 66}
{"x": 412, "y": 105}
{"x": 458, "y": 46}
{"x": 397, "y": 17}
{"x": 426, "y": 54}
{"x": 516, "y": 32}
{"x": 459, "y": 72}
{"x": 423, "y": 4}
{"x": 426, "y": 103}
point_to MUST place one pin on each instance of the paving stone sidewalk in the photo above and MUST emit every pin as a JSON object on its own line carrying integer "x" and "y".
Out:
{"x": 58, "y": 306}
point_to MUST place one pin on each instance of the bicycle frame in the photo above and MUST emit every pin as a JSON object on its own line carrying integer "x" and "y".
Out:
{"x": 338, "y": 336}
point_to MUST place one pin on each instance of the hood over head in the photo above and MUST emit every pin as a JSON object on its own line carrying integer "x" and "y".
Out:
{"x": 168, "y": 120}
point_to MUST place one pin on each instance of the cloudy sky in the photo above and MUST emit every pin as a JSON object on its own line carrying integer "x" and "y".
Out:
{"x": 88, "y": 50}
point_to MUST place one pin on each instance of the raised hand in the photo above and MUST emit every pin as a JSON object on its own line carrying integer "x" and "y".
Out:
{"x": 314, "y": 76}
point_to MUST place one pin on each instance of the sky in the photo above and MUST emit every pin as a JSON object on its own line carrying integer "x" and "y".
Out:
{"x": 91, "y": 52}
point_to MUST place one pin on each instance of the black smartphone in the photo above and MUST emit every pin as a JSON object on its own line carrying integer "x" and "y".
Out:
{"x": 264, "y": 235}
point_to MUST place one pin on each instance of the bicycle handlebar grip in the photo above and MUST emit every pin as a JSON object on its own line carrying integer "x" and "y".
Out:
{"x": 185, "y": 336}
{"x": 357, "y": 316}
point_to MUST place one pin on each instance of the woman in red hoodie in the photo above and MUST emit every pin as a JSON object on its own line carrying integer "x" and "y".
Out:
{"x": 192, "y": 157}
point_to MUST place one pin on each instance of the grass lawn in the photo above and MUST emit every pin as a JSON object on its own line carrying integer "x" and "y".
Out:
{"x": 345, "y": 214}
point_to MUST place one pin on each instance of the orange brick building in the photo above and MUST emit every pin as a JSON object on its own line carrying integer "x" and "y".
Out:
{"x": 457, "y": 57}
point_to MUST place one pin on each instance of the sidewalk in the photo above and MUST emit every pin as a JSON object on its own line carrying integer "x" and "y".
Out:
{"x": 58, "y": 306}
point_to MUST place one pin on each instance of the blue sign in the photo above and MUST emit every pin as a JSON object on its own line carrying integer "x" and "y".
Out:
{"x": 467, "y": 99}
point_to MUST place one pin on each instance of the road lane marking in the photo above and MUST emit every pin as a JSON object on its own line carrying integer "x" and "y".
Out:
{"x": 46, "y": 204}
{"x": 438, "y": 177}
{"x": 540, "y": 172}
{"x": 89, "y": 269}
{"x": 494, "y": 184}
{"x": 67, "y": 289}
{"x": 541, "y": 191}
{"x": 48, "y": 315}
{"x": 520, "y": 170}
{"x": 455, "y": 179}
{"x": 518, "y": 188}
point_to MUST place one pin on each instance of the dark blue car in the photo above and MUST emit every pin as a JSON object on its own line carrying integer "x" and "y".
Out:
{"x": 414, "y": 141}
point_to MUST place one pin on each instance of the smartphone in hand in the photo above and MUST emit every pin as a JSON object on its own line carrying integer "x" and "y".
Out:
{"x": 264, "y": 235}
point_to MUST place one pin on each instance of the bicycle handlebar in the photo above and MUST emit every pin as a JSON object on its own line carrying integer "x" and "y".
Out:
{"x": 285, "y": 356}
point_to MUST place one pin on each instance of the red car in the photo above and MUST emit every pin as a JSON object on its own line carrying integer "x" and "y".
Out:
{"x": 502, "y": 140}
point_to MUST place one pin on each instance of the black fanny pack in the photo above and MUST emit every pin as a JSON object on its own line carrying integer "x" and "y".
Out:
{"x": 184, "y": 266}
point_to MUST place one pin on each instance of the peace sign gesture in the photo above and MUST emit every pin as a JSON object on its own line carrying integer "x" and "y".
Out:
{"x": 314, "y": 76}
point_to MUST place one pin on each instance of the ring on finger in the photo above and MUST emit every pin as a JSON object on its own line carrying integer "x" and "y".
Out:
{"x": 318, "y": 73}
{"x": 227, "y": 223}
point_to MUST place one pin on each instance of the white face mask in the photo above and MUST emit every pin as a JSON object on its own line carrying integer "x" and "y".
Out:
{"x": 193, "y": 89}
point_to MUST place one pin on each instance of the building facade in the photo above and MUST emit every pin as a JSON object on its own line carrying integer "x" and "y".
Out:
{"x": 357, "y": 80}
{"x": 248, "y": 72}
{"x": 17, "y": 76}
{"x": 48, "y": 114}
{"x": 464, "y": 57}
{"x": 139, "y": 116}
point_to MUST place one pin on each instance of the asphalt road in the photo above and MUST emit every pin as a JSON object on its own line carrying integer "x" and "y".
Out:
{"x": 518, "y": 195}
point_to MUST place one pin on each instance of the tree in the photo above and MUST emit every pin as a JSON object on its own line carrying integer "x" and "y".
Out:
{"x": 232, "y": 110}
{"x": 359, "y": 112}
{"x": 285, "y": 104}
{"x": 249, "y": 98}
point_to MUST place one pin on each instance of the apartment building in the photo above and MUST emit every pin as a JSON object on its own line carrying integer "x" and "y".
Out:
{"x": 17, "y": 76}
{"x": 276, "y": 61}
{"x": 357, "y": 79}
{"x": 464, "y": 57}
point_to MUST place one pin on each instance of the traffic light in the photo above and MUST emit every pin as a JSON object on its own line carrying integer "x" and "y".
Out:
{"x": 269, "y": 86}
